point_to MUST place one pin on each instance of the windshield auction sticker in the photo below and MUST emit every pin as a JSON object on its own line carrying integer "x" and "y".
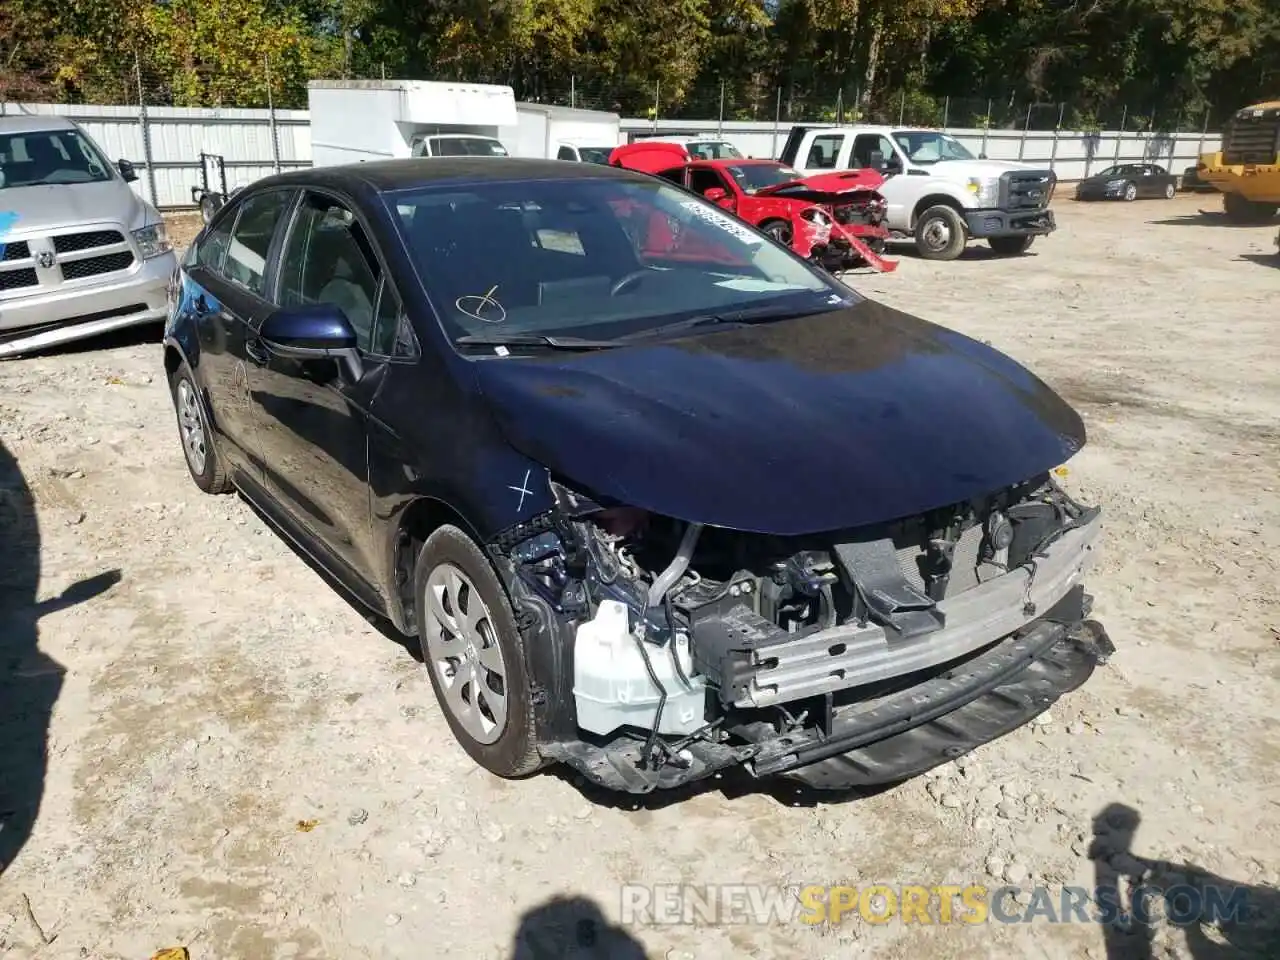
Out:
{"x": 728, "y": 224}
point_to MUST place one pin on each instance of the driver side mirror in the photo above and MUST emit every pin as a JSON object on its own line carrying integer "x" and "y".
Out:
{"x": 313, "y": 332}
{"x": 127, "y": 171}
{"x": 715, "y": 194}
{"x": 876, "y": 161}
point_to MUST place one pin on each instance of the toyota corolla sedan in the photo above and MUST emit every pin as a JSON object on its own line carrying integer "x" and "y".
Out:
{"x": 656, "y": 497}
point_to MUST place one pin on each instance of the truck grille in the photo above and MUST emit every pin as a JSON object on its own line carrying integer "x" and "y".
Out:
{"x": 17, "y": 279}
{"x": 18, "y": 250}
{"x": 71, "y": 242}
{"x": 1253, "y": 139}
{"x": 92, "y": 266}
{"x": 1026, "y": 189}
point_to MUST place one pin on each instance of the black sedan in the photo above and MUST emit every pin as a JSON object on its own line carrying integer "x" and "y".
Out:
{"x": 1129, "y": 181}
{"x": 656, "y": 497}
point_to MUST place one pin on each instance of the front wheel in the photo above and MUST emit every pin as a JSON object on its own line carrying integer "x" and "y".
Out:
{"x": 1170, "y": 191}
{"x": 474, "y": 654}
{"x": 778, "y": 230}
{"x": 1010, "y": 246}
{"x": 1130, "y": 192}
{"x": 1240, "y": 210}
{"x": 940, "y": 233}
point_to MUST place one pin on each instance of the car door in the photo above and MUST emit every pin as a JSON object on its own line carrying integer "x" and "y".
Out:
{"x": 230, "y": 276}
{"x": 312, "y": 414}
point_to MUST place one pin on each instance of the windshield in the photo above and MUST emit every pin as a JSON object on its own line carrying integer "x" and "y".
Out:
{"x": 713, "y": 150}
{"x": 467, "y": 147}
{"x": 50, "y": 157}
{"x": 929, "y": 146}
{"x": 599, "y": 258}
{"x": 753, "y": 176}
{"x": 595, "y": 154}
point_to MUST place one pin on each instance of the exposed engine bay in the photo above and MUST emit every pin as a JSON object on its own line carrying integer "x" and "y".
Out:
{"x": 696, "y": 648}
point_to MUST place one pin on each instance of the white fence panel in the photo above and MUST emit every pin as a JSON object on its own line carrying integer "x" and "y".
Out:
{"x": 256, "y": 143}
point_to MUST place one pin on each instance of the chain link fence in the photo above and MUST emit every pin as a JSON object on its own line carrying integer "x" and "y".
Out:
{"x": 169, "y": 120}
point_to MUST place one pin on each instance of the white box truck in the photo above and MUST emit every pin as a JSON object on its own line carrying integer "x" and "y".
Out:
{"x": 359, "y": 120}
{"x": 563, "y": 133}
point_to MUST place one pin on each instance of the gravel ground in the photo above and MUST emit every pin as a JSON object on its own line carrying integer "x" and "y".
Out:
{"x": 240, "y": 763}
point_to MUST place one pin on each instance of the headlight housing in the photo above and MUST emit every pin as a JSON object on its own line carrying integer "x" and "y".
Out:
{"x": 152, "y": 241}
{"x": 986, "y": 190}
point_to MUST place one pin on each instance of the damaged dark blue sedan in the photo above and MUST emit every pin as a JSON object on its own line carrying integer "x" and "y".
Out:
{"x": 656, "y": 497}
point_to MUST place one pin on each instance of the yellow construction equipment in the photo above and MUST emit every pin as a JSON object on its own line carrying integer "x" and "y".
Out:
{"x": 1247, "y": 168}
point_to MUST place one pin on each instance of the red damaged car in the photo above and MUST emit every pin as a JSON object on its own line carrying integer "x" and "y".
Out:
{"x": 836, "y": 219}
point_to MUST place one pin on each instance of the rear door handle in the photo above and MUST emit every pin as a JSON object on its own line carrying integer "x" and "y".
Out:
{"x": 256, "y": 351}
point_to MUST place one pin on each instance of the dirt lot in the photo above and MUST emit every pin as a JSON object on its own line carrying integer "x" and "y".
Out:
{"x": 240, "y": 763}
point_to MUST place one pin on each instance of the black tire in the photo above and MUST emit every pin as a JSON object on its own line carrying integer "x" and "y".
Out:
{"x": 1130, "y": 192}
{"x": 1010, "y": 246}
{"x": 1240, "y": 210}
{"x": 779, "y": 231}
{"x": 941, "y": 233}
{"x": 515, "y": 752}
{"x": 208, "y": 472}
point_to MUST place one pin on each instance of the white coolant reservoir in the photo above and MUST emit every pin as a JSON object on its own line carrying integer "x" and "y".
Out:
{"x": 612, "y": 687}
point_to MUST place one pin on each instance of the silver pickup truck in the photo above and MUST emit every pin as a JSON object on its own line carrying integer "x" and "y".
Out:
{"x": 80, "y": 252}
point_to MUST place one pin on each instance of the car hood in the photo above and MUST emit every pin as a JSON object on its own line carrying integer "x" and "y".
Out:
{"x": 852, "y": 417}
{"x": 825, "y": 187}
{"x": 53, "y": 206}
{"x": 963, "y": 169}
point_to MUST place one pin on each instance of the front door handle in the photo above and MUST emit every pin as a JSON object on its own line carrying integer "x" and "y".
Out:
{"x": 256, "y": 351}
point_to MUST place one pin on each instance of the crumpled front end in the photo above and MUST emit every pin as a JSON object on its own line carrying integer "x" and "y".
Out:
{"x": 847, "y": 658}
{"x": 844, "y": 233}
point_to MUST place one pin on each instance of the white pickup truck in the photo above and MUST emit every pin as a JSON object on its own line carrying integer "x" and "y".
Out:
{"x": 939, "y": 194}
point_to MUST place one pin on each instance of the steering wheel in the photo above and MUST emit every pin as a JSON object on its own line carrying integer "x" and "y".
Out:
{"x": 630, "y": 280}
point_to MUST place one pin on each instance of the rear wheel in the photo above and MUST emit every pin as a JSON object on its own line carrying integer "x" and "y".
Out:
{"x": 1010, "y": 246}
{"x": 940, "y": 233}
{"x": 197, "y": 439}
{"x": 474, "y": 654}
{"x": 1240, "y": 210}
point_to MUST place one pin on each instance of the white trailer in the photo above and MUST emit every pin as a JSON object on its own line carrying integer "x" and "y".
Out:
{"x": 359, "y": 120}
{"x": 546, "y": 132}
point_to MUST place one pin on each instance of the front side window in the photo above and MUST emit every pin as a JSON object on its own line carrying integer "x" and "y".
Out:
{"x": 328, "y": 259}
{"x": 598, "y": 258}
{"x": 865, "y": 144}
{"x": 929, "y": 146}
{"x": 565, "y": 153}
{"x": 702, "y": 179}
{"x": 595, "y": 154}
{"x": 44, "y": 157}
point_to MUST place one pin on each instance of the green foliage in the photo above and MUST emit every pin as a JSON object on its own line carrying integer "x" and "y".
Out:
{"x": 1155, "y": 62}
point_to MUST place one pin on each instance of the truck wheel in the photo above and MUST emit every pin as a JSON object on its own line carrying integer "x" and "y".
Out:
{"x": 1240, "y": 210}
{"x": 474, "y": 654}
{"x": 1010, "y": 246}
{"x": 1130, "y": 192}
{"x": 940, "y": 233}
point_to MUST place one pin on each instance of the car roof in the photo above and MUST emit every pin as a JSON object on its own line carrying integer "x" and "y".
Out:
{"x": 28, "y": 123}
{"x": 384, "y": 176}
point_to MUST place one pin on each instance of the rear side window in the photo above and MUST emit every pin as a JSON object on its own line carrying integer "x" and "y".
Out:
{"x": 246, "y": 257}
{"x": 466, "y": 147}
{"x": 825, "y": 151}
{"x": 212, "y": 248}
